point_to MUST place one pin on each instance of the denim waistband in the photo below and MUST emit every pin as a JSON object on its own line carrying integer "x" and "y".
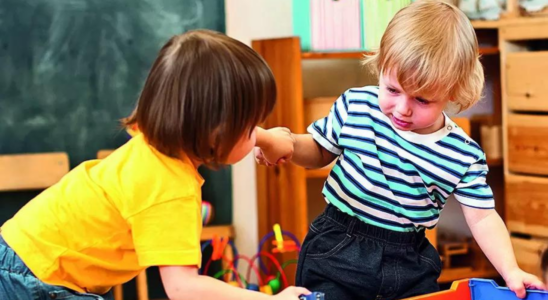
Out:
{"x": 357, "y": 226}
{"x": 3, "y": 242}
{"x": 10, "y": 261}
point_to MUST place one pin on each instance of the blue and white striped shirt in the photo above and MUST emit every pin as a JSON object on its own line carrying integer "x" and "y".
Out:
{"x": 399, "y": 180}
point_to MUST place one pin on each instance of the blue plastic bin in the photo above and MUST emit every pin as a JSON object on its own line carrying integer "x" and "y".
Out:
{"x": 483, "y": 289}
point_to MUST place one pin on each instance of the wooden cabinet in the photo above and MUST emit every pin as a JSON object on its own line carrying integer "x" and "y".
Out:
{"x": 524, "y": 61}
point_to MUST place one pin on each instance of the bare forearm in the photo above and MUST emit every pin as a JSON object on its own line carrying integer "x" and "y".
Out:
{"x": 493, "y": 238}
{"x": 184, "y": 283}
{"x": 301, "y": 149}
{"x": 207, "y": 288}
{"x": 310, "y": 154}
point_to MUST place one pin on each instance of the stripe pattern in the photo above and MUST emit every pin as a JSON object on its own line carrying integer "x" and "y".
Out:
{"x": 393, "y": 179}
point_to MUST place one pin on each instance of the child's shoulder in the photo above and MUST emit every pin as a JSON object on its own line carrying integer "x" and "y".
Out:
{"x": 368, "y": 95}
{"x": 138, "y": 167}
{"x": 459, "y": 139}
{"x": 364, "y": 91}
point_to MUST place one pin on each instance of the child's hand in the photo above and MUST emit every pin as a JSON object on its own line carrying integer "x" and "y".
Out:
{"x": 276, "y": 146}
{"x": 292, "y": 293}
{"x": 517, "y": 281}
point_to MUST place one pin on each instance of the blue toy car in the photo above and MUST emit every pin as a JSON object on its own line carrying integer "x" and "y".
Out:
{"x": 313, "y": 296}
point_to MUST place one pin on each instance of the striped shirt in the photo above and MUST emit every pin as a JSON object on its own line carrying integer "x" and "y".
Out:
{"x": 398, "y": 180}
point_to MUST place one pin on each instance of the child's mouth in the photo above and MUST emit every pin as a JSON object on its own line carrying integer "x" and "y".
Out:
{"x": 401, "y": 123}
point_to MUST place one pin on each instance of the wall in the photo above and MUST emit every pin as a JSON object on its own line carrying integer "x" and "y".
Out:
{"x": 247, "y": 20}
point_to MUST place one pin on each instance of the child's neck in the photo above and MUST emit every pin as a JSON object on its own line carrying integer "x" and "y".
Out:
{"x": 439, "y": 124}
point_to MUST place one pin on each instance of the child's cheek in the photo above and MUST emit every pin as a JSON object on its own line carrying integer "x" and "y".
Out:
{"x": 384, "y": 103}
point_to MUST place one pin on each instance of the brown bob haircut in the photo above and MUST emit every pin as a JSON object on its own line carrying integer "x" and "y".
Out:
{"x": 204, "y": 93}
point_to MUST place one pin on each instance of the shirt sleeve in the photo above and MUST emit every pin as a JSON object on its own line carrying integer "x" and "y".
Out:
{"x": 326, "y": 131}
{"x": 473, "y": 189}
{"x": 168, "y": 233}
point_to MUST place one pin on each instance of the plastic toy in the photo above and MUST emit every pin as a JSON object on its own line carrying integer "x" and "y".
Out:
{"x": 207, "y": 213}
{"x": 284, "y": 246}
{"x": 270, "y": 279}
{"x": 480, "y": 289}
{"x": 313, "y": 296}
{"x": 459, "y": 290}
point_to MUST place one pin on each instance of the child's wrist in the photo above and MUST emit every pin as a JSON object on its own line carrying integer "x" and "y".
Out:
{"x": 263, "y": 139}
{"x": 506, "y": 271}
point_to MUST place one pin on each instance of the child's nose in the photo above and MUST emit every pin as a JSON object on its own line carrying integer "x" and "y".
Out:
{"x": 403, "y": 108}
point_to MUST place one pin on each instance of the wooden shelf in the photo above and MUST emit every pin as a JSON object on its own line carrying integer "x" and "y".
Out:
{"x": 450, "y": 275}
{"x": 489, "y": 50}
{"x": 208, "y": 232}
{"x": 509, "y": 21}
{"x": 360, "y": 54}
{"x": 486, "y": 24}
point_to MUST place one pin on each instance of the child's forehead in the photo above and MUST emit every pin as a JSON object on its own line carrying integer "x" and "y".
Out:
{"x": 414, "y": 85}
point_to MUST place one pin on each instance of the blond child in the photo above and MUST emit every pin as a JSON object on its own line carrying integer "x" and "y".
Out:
{"x": 107, "y": 221}
{"x": 399, "y": 158}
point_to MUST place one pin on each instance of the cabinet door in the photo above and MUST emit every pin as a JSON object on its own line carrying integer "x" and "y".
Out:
{"x": 527, "y": 81}
{"x": 527, "y": 204}
{"x": 528, "y": 253}
{"x": 528, "y": 144}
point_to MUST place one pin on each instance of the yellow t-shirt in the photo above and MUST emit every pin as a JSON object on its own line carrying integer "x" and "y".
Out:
{"x": 108, "y": 220}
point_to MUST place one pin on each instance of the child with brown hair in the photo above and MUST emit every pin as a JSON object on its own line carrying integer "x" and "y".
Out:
{"x": 399, "y": 158}
{"x": 107, "y": 221}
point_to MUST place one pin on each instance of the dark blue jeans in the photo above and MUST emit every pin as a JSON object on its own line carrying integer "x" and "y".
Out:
{"x": 18, "y": 283}
{"x": 346, "y": 258}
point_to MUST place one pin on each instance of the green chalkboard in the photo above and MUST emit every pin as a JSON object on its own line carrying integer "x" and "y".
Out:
{"x": 70, "y": 69}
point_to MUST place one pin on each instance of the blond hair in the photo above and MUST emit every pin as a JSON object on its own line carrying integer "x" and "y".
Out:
{"x": 432, "y": 49}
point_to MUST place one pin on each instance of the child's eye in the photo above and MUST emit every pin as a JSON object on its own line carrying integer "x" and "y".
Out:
{"x": 391, "y": 90}
{"x": 422, "y": 101}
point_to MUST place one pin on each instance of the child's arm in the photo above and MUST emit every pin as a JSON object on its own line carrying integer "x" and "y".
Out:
{"x": 184, "y": 283}
{"x": 309, "y": 154}
{"x": 314, "y": 150}
{"x": 492, "y": 236}
{"x": 278, "y": 145}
